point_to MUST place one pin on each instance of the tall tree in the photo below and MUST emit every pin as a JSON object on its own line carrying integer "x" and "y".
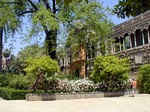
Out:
{"x": 90, "y": 26}
{"x": 127, "y": 8}
{"x": 43, "y": 15}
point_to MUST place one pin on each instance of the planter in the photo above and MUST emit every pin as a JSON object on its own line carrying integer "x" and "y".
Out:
{"x": 68, "y": 96}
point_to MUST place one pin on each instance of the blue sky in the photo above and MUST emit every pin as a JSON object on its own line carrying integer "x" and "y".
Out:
{"x": 19, "y": 44}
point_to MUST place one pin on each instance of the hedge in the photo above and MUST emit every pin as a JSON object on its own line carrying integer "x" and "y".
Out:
{"x": 12, "y": 94}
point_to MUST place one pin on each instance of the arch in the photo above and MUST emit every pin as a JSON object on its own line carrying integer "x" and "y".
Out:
{"x": 121, "y": 42}
{"x": 117, "y": 44}
{"x": 62, "y": 69}
{"x": 127, "y": 41}
{"x": 138, "y": 35}
{"x": 77, "y": 73}
{"x": 132, "y": 40}
{"x": 145, "y": 34}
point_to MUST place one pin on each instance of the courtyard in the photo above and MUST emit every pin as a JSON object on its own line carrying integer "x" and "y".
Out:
{"x": 139, "y": 103}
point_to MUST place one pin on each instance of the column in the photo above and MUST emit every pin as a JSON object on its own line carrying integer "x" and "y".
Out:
{"x": 106, "y": 47}
{"x": 98, "y": 48}
{"x": 148, "y": 36}
{"x": 113, "y": 47}
{"x": 123, "y": 42}
{"x": 119, "y": 43}
{"x": 135, "y": 40}
{"x": 143, "y": 38}
{"x": 130, "y": 41}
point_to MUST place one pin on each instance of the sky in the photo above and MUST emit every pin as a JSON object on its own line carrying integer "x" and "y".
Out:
{"x": 19, "y": 44}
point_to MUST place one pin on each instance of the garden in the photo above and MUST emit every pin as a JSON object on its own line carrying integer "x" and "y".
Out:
{"x": 64, "y": 26}
{"x": 43, "y": 76}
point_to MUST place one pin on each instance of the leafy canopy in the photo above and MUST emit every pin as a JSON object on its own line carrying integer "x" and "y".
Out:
{"x": 43, "y": 65}
{"x": 127, "y": 8}
{"x": 110, "y": 68}
{"x": 90, "y": 24}
{"x": 144, "y": 78}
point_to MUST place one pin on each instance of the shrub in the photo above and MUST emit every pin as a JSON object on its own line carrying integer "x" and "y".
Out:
{"x": 111, "y": 71}
{"x": 22, "y": 82}
{"x": 43, "y": 68}
{"x": 12, "y": 94}
{"x": 143, "y": 82}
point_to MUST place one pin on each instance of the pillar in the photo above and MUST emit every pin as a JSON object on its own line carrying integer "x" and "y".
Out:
{"x": 119, "y": 43}
{"x": 123, "y": 42}
{"x": 143, "y": 38}
{"x": 135, "y": 40}
{"x": 130, "y": 41}
{"x": 148, "y": 36}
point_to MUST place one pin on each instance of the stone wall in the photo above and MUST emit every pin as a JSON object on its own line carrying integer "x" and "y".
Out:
{"x": 68, "y": 96}
{"x": 138, "y": 56}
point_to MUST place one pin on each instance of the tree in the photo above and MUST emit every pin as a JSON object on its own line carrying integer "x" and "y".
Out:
{"x": 111, "y": 71}
{"x": 67, "y": 2}
{"x": 42, "y": 68}
{"x": 144, "y": 79}
{"x": 34, "y": 51}
{"x": 43, "y": 15}
{"x": 127, "y": 8}
{"x": 89, "y": 27}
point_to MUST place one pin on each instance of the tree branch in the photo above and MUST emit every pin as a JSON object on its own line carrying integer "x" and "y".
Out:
{"x": 47, "y": 4}
{"x": 33, "y": 5}
{"x": 22, "y": 13}
{"x": 54, "y": 6}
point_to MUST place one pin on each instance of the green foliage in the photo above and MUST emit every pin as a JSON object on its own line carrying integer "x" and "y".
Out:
{"x": 110, "y": 70}
{"x": 22, "y": 82}
{"x": 44, "y": 65}
{"x": 5, "y": 79}
{"x": 89, "y": 24}
{"x": 67, "y": 2}
{"x": 18, "y": 63}
{"x": 127, "y": 8}
{"x": 12, "y": 94}
{"x": 144, "y": 79}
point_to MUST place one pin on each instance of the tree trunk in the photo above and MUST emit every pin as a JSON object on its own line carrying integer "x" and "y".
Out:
{"x": 1, "y": 46}
{"x": 50, "y": 41}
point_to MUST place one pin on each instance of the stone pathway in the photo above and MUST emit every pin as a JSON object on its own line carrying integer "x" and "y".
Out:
{"x": 139, "y": 103}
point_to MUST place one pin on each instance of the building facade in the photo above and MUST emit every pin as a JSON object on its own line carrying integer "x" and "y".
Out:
{"x": 133, "y": 37}
{"x": 132, "y": 40}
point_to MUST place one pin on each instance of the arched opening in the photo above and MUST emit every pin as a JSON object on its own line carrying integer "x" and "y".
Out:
{"x": 132, "y": 40}
{"x": 117, "y": 44}
{"x": 145, "y": 34}
{"x": 127, "y": 41}
{"x": 77, "y": 73}
{"x": 139, "y": 40}
{"x": 62, "y": 69}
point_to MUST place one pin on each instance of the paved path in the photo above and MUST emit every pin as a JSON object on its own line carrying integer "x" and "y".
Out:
{"x": 139, "y": 103}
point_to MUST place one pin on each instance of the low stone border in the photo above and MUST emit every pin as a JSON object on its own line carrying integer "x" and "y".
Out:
{"x": 67, "y": 96}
